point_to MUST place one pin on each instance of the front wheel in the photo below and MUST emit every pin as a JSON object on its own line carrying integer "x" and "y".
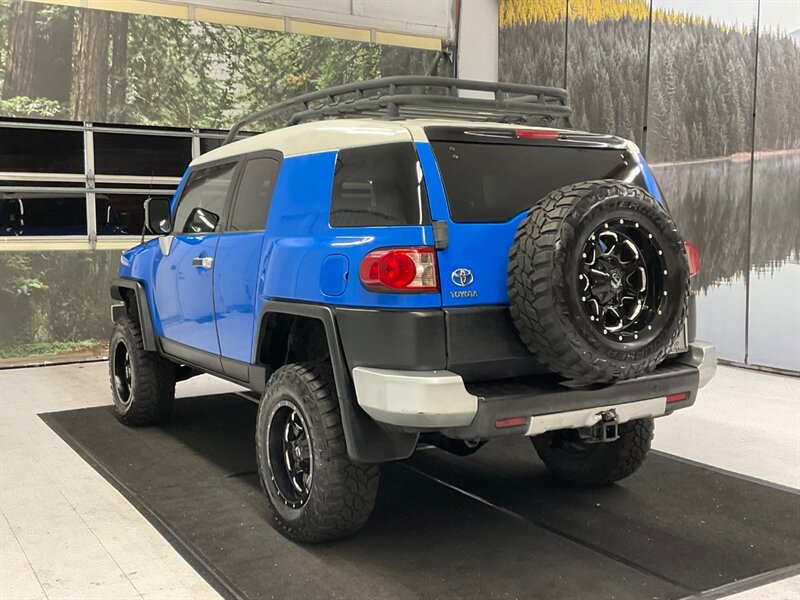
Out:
{"x": 572, "y": 459}
{"x": 315, "y": 491}
{"x": 142, "y": 382}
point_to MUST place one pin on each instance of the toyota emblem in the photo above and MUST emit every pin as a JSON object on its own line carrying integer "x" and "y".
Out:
{"x": 462, "y": 277}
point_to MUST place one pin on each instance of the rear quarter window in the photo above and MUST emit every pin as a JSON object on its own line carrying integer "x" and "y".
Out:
{"x": 492, "y": 183}
{"x": 377, "y": 186}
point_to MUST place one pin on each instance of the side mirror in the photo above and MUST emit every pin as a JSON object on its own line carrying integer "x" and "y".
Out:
{"x": 157, "y": 217}
{"x": 201, "y": 220}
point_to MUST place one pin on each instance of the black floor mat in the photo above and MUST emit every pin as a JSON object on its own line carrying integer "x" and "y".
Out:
{"x": 670, "y": 531}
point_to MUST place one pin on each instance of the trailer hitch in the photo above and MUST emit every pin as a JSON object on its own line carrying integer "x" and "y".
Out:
{"x": 605, "y": 430}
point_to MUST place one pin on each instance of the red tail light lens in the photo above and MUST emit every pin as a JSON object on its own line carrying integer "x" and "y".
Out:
{"x": 678, "y": 397}
{"x": 511, "y": 422}
{"x": 537, "y": 134}
{"x": 400, "y": 270}
{"x": 693, "y": 256}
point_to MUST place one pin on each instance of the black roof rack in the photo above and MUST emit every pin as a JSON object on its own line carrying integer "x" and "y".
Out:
{"x": 412, "y": 96}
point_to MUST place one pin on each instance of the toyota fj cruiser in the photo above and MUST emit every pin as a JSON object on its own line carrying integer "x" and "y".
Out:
{"x": 432, "y": 266}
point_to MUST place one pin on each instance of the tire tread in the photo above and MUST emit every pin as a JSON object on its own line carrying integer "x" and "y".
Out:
{"x": 536, "y": 264}
{"x": 345, "y": 495}
{"x": 154, "y": 392}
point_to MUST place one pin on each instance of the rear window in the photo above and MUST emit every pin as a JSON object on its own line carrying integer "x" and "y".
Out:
{"x": 492, "y": 183}
{"x": 378, "y": 186}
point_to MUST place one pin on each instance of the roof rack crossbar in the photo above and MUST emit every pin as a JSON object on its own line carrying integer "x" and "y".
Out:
{"x": 393, "y": 97}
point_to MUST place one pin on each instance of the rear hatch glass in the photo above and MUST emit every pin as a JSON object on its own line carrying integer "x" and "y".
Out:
{"x": 493, "y": 182}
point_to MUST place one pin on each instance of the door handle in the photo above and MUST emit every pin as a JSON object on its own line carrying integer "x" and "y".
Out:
{"x": 203, "y": 262}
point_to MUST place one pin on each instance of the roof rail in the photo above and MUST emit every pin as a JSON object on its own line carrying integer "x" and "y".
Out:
{"x": 413, "y": 96}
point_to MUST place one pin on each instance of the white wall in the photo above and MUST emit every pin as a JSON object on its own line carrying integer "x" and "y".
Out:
{"x": 417, "y": 17}
{"x": 477, "y": 43}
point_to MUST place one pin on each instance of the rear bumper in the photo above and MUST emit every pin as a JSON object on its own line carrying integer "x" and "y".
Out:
{"x": 440, "y": 400}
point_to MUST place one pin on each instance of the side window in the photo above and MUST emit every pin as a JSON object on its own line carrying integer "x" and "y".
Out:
{"x": 202, "y": 203}
{"x": 254, "y": 194}
{"x": 378, "y": 186}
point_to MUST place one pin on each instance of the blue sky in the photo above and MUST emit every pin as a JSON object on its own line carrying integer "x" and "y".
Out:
{"x": 777, "y": 14}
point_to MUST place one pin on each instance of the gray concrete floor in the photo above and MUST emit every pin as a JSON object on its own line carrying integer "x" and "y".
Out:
{"x": 66, "y": 533}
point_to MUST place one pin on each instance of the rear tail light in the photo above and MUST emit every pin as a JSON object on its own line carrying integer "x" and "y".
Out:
{"x": 693, "y": 257}
{"x": 400, "y": 270}
{"x": 537, "y": 134}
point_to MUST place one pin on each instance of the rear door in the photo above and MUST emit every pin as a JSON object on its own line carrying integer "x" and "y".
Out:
{"x": 489, "y": 180}
{"x": 237, "y": 264}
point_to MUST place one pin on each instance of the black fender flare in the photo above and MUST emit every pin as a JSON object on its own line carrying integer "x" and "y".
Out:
{"x": 366, "y": 440}
{"x": 143, "y": 306}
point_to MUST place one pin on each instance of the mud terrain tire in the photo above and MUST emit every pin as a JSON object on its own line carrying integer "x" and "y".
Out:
{"x": 335, "y": 496}
{"x": 597, "y": 464}
{"x": 569, "y": 252}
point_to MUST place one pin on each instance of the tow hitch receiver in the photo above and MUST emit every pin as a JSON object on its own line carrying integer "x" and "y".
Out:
{"x": 606, "y": 429}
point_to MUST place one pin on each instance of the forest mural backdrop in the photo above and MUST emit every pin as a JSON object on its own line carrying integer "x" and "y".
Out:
{"x": 683, "y": 86}
{"x": 58, "y": 62}
{"x": 100, "y": 66}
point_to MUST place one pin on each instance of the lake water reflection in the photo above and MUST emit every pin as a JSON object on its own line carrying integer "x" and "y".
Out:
{"x": 709, "y": 200}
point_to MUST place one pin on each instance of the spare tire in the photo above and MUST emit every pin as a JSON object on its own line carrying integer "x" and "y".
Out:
{"x": 598, "y": 281}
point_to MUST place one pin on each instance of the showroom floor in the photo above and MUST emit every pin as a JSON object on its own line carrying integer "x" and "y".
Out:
{"x": 68, "y": 533}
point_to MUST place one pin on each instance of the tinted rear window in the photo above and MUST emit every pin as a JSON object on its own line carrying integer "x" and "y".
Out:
{"x": 378, "y": 186}
{"x": 491, "y": 183}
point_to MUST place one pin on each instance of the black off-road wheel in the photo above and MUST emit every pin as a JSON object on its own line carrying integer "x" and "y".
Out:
{"x": 316, "y": 493}
{"x": 142, "y": 382}
{"x": 577, "y": 461}
{"x": 598, "y": 281}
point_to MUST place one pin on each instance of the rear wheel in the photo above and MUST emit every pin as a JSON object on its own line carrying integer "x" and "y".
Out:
{"x": 315, "y": 491}
{"x": 572, "y": 459}
{"x": 142, "y": 382}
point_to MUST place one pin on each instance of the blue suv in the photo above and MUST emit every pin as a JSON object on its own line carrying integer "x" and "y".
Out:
{"x": 401, "y": 263}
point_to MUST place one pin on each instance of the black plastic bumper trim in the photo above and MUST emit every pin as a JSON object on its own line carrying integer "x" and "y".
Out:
{"x": 476, "y": 343}
{"x": 411, "y": 340}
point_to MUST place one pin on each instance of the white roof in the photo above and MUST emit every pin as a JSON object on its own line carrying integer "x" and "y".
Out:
{"x": 335, "y": 134}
